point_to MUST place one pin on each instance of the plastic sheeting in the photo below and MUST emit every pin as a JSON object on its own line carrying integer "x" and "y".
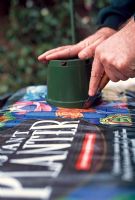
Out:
{"x": 72, "y": 154}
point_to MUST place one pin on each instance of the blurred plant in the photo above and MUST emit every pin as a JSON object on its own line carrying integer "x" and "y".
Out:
{"x": 35, "y": 26}
{"x": 33, "y": 29}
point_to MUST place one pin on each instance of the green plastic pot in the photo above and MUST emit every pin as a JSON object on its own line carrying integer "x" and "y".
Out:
{"x": 68, "y": 82}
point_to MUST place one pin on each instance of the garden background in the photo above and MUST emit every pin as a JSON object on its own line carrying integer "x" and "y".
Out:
{"x": 30, "y": 27}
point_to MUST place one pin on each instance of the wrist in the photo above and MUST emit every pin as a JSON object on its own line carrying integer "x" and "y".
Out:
{"x": 128, "y": 31}
{"x": 130, "y": 22}
{"x": 134, "y": 17}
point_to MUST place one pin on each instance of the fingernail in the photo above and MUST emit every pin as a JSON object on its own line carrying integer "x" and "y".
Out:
{"x": 40, "y": 57}
{"x": 83, "y": 55}
{"x": 91, "y": 93}
{"x": 88, "y": 102}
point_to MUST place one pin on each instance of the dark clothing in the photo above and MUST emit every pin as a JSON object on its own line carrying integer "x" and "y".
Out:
{"x": 116, "y": 14}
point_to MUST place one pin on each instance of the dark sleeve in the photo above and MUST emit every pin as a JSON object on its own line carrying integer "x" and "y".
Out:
{"x": 116, "y": 14}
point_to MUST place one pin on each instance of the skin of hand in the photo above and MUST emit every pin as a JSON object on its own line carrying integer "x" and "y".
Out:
{"x": 115, "y": 57}
{"x": 84, "y": 49}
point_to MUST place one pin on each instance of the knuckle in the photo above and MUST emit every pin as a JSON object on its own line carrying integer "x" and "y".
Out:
{"x": 131, "y": 75}
{"x": 122, "y": 64}
{"x": 124, "y": 78}
{"x": 103, "y": 59}
{"x": 114, "y": 79}
{"x": 107, "y": 60}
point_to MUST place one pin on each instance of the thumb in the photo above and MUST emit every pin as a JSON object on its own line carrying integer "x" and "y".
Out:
{"x": 86, "y": 53}
{"x": 89, "y": 51}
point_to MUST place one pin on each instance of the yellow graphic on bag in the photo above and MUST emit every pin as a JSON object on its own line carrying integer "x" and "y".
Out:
{"x": 117, "y": 119}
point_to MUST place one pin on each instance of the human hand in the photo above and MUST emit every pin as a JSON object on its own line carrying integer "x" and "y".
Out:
{"x": 115, "y": 57}
{"x": 84, "y": 49}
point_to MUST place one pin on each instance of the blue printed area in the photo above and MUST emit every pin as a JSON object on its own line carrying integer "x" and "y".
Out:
{"x": 103, "y": 192}
{"x": 35, "y": 93}
{"x": 30, "y": 103}
{"x": 32, "y": 93}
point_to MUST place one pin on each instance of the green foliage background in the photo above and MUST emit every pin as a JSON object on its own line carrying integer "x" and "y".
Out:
{"x": 32, "y": 30}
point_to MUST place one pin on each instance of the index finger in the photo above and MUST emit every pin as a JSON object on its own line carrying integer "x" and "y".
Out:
{"x": 43, "y": 56}
{"x": 96, "y": 76}
{"x": 69, "y": 52}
